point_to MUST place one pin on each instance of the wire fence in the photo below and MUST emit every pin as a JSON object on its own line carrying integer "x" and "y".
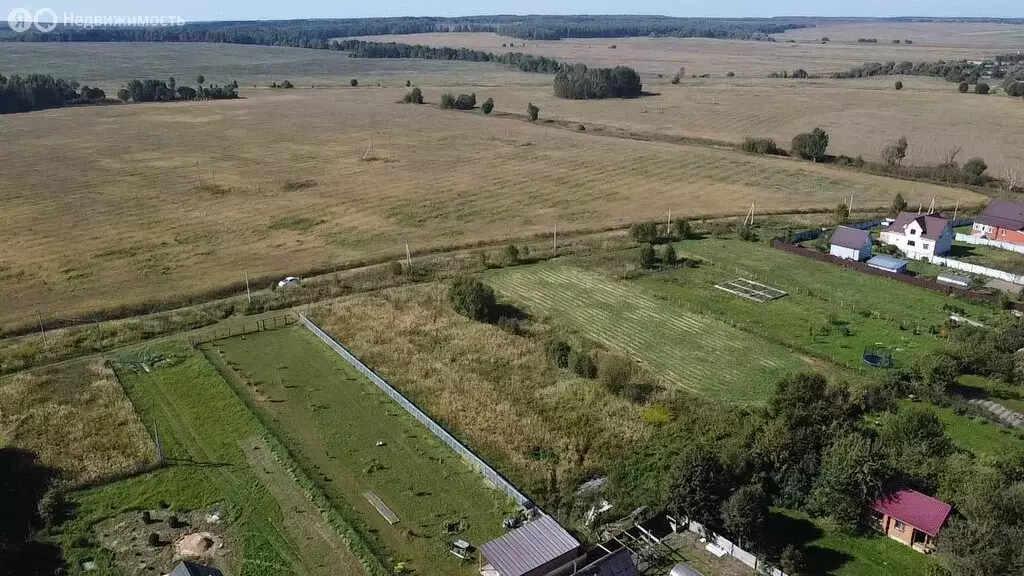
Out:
{"x": 242, "y": 328}
{"x": 472, "y": 459}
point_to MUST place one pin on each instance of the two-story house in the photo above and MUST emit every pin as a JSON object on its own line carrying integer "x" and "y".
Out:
{"x": 919, "y": 234}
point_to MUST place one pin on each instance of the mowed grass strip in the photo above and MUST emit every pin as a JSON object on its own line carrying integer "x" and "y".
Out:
{"x": 689, "y": 350}
{"x": 357, "y": 440}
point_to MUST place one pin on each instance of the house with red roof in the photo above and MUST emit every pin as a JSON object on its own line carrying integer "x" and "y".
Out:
{"x": 910, "y": 517}
{"x": 1001, "y": 220}
{"x": 919, "y": 234}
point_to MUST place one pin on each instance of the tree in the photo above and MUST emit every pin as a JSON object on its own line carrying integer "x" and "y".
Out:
{"x": 414, "y": 96}
{"x": 851, "y": 478}
{"x": 512, "y": 252}
{"x": 582, "y": 364}
{"x": 642, "y": 232}
{"x": 914, "y": 441}
{"x": 964, "y": 87}
{"x": 646, "y": 258}
{"x": 353, "y": 82}
{"x": 447, "y": 101}
{"x": 894, "y": 152}
{"x": 532, "y": 111}
{"x": 488, "y": 106}
{"x": 975, "y": 170}
{"x": 615, "y": 372}
{"x": 681, "y": 229}
{"x": 408, "y": 83}
{"x": 668, "y": 256}
{"x": 841, "y": 214}
{"x": 730, "y": 74}
{"x": 898, "y": 205}
{"x": 472, "y": 298}
{"x": 697, "y": 486}
{"x": 200, "y": 79}
{"x": 799, "y": 73}
{"x": 558, "y": 351}
{"x": 745, "y": 515}
{"x": 171, "y": 82}
{"x": 811, "y": 145}
{"x": 899, "y": 85}
{"x": 465, "y": 102}
{"x": 792, "y": 561}
{"x": 124, "y": 95}
{"x": 981, "y": 88}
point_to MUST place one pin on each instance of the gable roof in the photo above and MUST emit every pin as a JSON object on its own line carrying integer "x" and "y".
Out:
{"x": 932, "y": 225}
{"x": 1003, "y": 214}
{"x": 852, "y": 238}
{"x": 528, "y": 547}
{"x": 618, "y": 563}
{"x": 921, "y": 511}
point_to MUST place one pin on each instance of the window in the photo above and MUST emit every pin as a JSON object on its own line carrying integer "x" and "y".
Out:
{"x": 926, "y": 246}
{"x": 900, "y": 526}
{"x": 911, "y": 243}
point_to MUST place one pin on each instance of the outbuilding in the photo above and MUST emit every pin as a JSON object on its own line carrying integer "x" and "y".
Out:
{"x": 889, "y": 264}
{"x": 911, "y": 518}
{"x": 958, "y": 280}
{"x": 541, "y": 547}
{"x": 850, "y": 244}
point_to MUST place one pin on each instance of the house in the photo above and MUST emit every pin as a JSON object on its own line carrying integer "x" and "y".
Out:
{"x": 540, "y": 547}
{"x": 1001, "y": 220}
{"x": 850, "y": 244}
{"x": 889, "y": 264}
{"x": 190, "y": 569}
{"x": 618, "y": 563}
{"x": 918, "y": 235}
{"x": 910, "y": 517}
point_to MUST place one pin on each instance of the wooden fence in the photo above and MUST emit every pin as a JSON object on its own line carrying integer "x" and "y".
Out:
{"x": 241, "y": 328}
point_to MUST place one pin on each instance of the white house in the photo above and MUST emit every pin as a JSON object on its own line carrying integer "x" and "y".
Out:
{"x": 850, "y": 244}
{"x": 919, "y": 234}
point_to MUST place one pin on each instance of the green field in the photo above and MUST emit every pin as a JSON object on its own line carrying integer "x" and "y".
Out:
{"x": 989, "y": 256}
{"x": 831, "y": 312}
{"x": 358, "y": 439}
{"x": 685, "y": 347}
{"x": 202, "y": 426}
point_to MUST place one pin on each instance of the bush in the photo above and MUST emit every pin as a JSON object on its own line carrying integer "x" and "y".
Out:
{"x": 173, "y": 522}
{"x": 759, "y": 145}
{"x": 646, "y": 258}
{"x": 582, "y": 364}
{"x": 153, "y": 539}
{"x": 811, "y": 145}
{"x": 964, "y": 87}
{"x": 981, "y": 88}
{"x": 447, "y": 101}
{"x": 730, "y": 74}
{"x": 488, "y": 106}
{"x": 799, "y": 73}
{"x": 532, "y": 111}
{"x": 747, "y": 234}
{"x": 615, "y": 372}
{"x": 899, "y": 85}
{"x": 558, "y": 351}
{"x": 894, "y": 152}
{"x": 1015, "y": 89}
{"x": 974, "y": 170}
{"x": 414, "y": 96}
{"x": 408, "y": 83}
{"x": 472, "y": 298}
{"x": 642, "y": 232}
{"x": 668, "y": 256}
{"x": 681, "y": 229}
{"x": 512, "y": 252}
{"x": 465, "y": 102}
{"x": 353, "y": 82}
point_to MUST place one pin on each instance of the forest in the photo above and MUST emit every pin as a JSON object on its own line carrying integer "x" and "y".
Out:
{"x": 524, "y": 62}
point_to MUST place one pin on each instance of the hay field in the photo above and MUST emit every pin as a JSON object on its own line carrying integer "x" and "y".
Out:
{"x": 120, "y": 204}
{"x": 653, "y": 56}
{"x": 988, "y": 36}
{"x": 77, "y": 419}
{"x": 861, "y": 115}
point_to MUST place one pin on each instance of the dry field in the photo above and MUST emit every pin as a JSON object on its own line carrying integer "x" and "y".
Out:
{"x": 120, "y": 204}
{"x": 988, "y": 36}
{"x": 77, "y": 419}
{"x": 653, "y": 56}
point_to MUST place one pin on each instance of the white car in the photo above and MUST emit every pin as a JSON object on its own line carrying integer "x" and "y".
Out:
{"x": 289, "y": 281}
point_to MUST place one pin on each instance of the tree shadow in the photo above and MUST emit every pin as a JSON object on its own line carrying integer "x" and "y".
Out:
{"x": 960, "y": 251}
{"x": 784, "y": 530}
{"x": 23, "y": 482}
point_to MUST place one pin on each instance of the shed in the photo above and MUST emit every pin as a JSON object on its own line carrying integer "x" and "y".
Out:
{"x": 537, "y": 548}
{"x": 850, "y": 244}
{"x": 889, "y": 264}
{"x": 190, "y": 569}
{"x": 618, "y": 563}
{"x": 911, "y": 517}
{"x": 684, "y": 570}
{"x": 958, "y": 280}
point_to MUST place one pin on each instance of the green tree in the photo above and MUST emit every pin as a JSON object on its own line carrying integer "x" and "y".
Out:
{"x": 472, "y": 298}
{"x": 981, "y": 88}
{"x": 646, "y": 258}
{"x": 681, "y": 229}
{"x": 200, "y": 79}
{"x": 851, "y": 478}
{"x": 669, "y": 256}
{"x": 124, "y": 95}
{"x": 793, "y": 561}
{"x": 447, "y": 101}
{"x": 964, "y": 87}
{"x": 914, "y": 442}
{"x": 697, "y": 485}
{"x": 938, "y": 375}
{"x": 899, "y": 85}
{"x": 488, "y": 106}
{"x": 532, "y": 111}
{"x": 841, "y": 215}
{"x": 512, "y": 253}
{"x": 975, "y": 169}
{"x": 171, "y": 82}
{"x": 414, "y": 96}
{"x": 642, "y": 232}
{"x": 353, "y": 82}
{"x": 894, "y": 152}
{"x": 811, "y": 145}
{"x": 898, "y": 205}
{"x": 745, "y": 515}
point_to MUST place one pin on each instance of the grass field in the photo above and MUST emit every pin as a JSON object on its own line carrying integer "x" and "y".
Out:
{"x": 205, "y": 431}
{"x": 988, "y": 256}
{"x": 989, "y": 36}
{"x": 205, "y": 192}
{"x": 822, "y": 300}
{"x": 358, "y": 439}
{"x": 686, "y": 348}
{"x": 76, "y": 418}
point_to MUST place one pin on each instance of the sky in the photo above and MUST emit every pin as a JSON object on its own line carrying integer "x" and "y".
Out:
{"x": 293, "y": 9}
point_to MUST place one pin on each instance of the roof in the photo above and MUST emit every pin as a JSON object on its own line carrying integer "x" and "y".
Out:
{"x": 528, "y": 547}
{"x": 932, "y": 225}
{"x": 919, "y": 510}
{"x": 851, "y": 238}
{"x": 618, "y": 563}
{"x": 887, "y": 262}
{"x": 954, "y": 279}
{"x": 1003, "y": 214}
{"x": 190, "y": 569}
{"x": 684, "y": 570}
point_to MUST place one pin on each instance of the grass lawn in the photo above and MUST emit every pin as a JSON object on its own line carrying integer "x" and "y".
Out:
{"x": 988, "y": 256}
{"x": 832, "y": 552}
{"x": 832, "y": 313}
{"x": 1005, "y": 394}
{"x": 358, "y": 440}
{"x": 202, "y": 425}
{"x": 684, "y": 346}
{"x": 978, "y": 435}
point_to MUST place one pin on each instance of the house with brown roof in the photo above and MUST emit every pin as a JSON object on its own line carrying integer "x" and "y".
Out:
{"x": 1002, "y": 221}
{"x": 850, "y": 244}
{"x": 910, "y": 517}
{"x": 541, "y": 547}
{"x": 919, "y": 235}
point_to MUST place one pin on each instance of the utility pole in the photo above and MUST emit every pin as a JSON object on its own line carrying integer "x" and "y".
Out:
{"x": 554, "y": 242}
{"x": 248, "y": 294}
{"x": 199, "y": 175}
{"x": 42, "y": 330}
{"x": 408, "y": 256}
{"x": 668, "y": 230}
{"x": 955, "y": 210}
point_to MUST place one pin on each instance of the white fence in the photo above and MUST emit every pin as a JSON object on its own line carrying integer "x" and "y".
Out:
{"x": 472, "y": 459}
{"x": 736, "y": 552}
{"x": 980, "y": 241}
{"x": 971, "y": 268}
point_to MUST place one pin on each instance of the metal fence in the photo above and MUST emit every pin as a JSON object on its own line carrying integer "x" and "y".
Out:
{"x": 472, "y": 459}
{"x": 735, "y": 551}
{"x": 971, "y": 268}
{"x": 980, "y": 241}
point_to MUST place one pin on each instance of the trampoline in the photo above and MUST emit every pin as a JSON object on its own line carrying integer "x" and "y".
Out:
{"x": 878, "y": 357}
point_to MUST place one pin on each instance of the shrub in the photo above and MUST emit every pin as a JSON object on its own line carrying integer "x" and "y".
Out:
{"x": 582, "y": 364}
{"x": 981, "y": 88}
{"x": 646, "y": 258}
{"x": 1015, "y": 89}
{"x": 964, "y": 87}
{"x": 353, "y": 82}
{"x": 414, "y": 96}
{"x": 656, "y": 415}
{"x": 472, "y": 298}
{"x": 408, "y": 83}
{"x": 395, "y": 268}
{"x": 747, "y": 234}
{"x": 811, "y": 145}
{"x": 730, "y": 74}
{"x": 511, "y": 325}
{"x": 173, "y": 522}
{"x": 894, "y": 152}
{"x": 668, "y": 256}
{"x": 512, "y": 252}
{"x": 615, "y": 372}
{"x": 488, "y": 106}
{"x": 153, "y": 539}
{"x": 642, "y": 232}
{"x": 147, "y": 517}
{"x": 759, "y": 145}
{"x": 558, "y": 351}
{"x": 899, "y": 85}
{"x": 532, "y": 111}
{"x": 447, "y": 101}
{"x": 681, "y": 229}
{"x": 974, "y": 170}
{"x": 799, "y": 73}
{"x": 465, "y": 102}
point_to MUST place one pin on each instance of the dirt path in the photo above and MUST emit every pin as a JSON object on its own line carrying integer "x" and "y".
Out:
{"x": 305, "y": 524}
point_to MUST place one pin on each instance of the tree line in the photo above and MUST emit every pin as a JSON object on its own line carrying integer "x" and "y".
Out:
{"x": 1009, "y": 68}
{"x": 578, "y": 82}
{"x": 42, "y": 91}
{"x": 169, "y": 91}
{"x": 524, "y": 62}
